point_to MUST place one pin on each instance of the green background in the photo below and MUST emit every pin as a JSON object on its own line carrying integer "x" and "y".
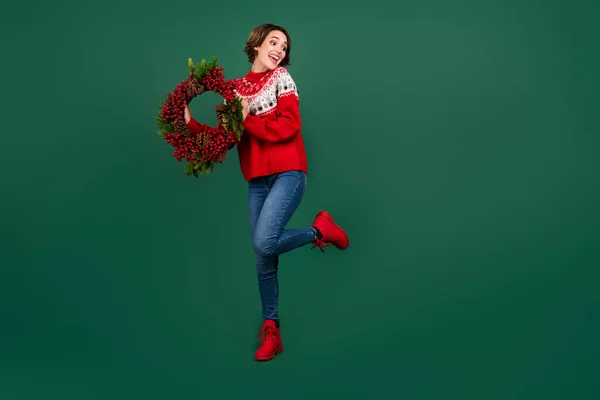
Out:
{"x": 456, "y": 142}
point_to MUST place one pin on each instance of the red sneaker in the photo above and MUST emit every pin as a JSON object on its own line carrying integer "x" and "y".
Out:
{"x": 332, "y": 234}
{"x": 271, "y": 342}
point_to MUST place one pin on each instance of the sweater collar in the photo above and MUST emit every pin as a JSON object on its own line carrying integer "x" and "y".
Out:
{"x": 257, "y": 76}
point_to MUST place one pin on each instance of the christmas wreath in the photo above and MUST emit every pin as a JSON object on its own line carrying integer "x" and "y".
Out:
{"x": 204, "y": 150}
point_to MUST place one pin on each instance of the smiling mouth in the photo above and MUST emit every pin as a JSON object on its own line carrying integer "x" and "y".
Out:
{"x": 275, "y": 59}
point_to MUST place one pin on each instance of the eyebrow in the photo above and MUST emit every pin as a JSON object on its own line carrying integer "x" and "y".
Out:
{"x": 275, "y": 37}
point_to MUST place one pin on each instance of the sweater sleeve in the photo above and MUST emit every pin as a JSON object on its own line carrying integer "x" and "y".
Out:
{"x": 285, "y": 122}
{"x": 196, "y": 127}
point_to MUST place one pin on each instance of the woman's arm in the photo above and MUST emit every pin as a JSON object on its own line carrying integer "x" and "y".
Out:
{"x": 193, "y": 125}
{"x": 283, "y": 123}
{"x": 280, "y": 126}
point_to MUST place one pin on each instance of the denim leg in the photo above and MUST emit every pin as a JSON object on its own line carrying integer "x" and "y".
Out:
{"x": 272, "y": 201}
{"x": 286, "y": 191}
{"x": 266, "y": 267}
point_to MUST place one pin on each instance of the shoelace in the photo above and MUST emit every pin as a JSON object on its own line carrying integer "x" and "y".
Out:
{"x": 321, "y": 245}
{"x": 266, "y": 334}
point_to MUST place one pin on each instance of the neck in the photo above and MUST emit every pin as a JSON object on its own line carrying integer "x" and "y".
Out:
{"x": 259, "y": 68}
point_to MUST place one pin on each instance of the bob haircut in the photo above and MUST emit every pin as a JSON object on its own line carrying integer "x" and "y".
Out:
{"x": 257, "y": 37}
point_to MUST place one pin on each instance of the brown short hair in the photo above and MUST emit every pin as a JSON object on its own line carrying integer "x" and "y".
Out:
{"x": 257, "y": 37}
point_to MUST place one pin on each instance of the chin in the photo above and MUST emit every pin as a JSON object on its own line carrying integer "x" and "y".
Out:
{"x": 270, "y": 65}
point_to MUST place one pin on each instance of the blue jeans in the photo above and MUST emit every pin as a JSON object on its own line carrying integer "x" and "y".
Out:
{"x": 272, "y": 200}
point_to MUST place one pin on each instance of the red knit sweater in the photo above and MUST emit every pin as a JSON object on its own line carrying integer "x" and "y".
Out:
{"x": 272, "y": 141}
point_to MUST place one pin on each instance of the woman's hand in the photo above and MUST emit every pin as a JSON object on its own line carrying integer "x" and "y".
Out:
{"x": 187, "y": 114}
{"x": 244, "y": 108}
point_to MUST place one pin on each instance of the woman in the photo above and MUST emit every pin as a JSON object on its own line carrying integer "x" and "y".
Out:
{"x": 273, "y": 162}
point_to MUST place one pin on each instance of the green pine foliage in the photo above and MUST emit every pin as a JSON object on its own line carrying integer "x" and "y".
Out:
{"x": 201, "y": 68}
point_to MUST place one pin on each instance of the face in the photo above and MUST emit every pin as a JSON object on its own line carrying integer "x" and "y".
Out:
{"x": 271, "y": 52}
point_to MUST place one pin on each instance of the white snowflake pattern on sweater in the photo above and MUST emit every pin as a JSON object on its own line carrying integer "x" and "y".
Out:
{"x": 263, "y": 100}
